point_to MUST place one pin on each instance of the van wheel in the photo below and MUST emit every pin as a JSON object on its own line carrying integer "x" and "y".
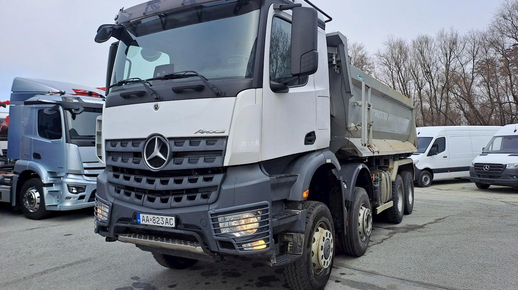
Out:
{"x": 482, "y": 186}
{"x": 395, "y": 213}
{"x": 425, "y": 179}
{"x": 408, "y": 184}
{"x": 313, "y": 269}
{"x": 173, "y": 262}
{"x": 32, "y": 199}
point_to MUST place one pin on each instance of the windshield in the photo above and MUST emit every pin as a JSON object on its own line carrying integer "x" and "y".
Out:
{"x": 216, "y": 40}
{"x": 82, "y": 127}
{"x": 423, "y": 143}
{"x": 502, "y": 144}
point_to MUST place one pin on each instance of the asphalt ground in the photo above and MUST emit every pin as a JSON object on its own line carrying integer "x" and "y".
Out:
{"x": 458, "y": 237}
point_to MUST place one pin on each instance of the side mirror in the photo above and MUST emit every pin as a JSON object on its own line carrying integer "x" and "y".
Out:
{"x": 433, "y": 150}
{"x": 104, "y": 32}
{"x": 304, "y": 42}
{"x": 52, "y": 110}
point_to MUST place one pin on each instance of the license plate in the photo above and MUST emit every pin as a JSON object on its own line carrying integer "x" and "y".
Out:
{"x": 156, "y": 220}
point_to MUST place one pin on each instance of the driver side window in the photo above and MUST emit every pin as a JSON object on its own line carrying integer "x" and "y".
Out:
{"x": 49, "y": 125}
{"x": 440, "y": 143}
{"x": 280, "y": 53}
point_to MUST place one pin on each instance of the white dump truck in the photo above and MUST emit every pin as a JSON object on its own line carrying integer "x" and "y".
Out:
{"x": 252, "y": 136}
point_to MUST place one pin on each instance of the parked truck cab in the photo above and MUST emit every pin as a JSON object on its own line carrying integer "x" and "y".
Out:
{"x": 51, "y": 147}
{"x": 259, "y": 138}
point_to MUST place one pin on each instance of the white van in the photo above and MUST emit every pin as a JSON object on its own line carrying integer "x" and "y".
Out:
{"x": 498, "y": 162}
{"x": 446, "y": 152}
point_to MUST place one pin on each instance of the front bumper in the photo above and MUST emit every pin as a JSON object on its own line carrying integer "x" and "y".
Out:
{"x": 506, "y": 177}
{"x": 58, "y": 196}
{"x": 199, "y": 229}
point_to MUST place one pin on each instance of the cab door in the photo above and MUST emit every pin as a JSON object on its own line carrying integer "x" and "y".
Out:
{"x": 439, "y": 159}
{"x": 49, "y": 143}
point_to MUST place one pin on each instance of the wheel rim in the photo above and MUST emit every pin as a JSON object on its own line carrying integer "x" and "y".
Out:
{"x": 322, "y": 249}
{"x": 426, "y": 179}
{"x": 364, "y": 222}
{"x": 32, "y": 199}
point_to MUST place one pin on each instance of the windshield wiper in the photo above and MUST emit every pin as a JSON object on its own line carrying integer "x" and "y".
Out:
{"x": 189, "y": 74}
{"x": 145, "y": 83}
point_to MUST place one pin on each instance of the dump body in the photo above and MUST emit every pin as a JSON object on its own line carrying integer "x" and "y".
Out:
{"x": 358, "y": 99}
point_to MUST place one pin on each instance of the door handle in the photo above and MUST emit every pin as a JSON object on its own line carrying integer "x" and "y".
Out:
{"x": 36, "y": 156}
{"x": 445, "y": 157}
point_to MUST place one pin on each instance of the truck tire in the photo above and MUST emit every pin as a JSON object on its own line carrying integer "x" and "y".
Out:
{"x": 408, "y": 184}
{"x": 32, "y": 199}
{"x": 359, "y": 220}
{"x": 173, "y": 262}
{"x": 482, "y": 186}
{"x": 395, "y": 213}
{"x": 425, "y": 179}
{"x": 313, "y": 269}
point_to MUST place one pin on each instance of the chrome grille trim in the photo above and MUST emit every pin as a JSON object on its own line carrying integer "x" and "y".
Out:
{"x": 167, "y": 243}
{"x": 192, "y": 177}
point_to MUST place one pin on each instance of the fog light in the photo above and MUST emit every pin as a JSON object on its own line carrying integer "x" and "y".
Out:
{"x": 76, "y": 189}
{"x": 239, "y": 224}
{"x": 101, "y": 211}
{"x": 257, "y": 245}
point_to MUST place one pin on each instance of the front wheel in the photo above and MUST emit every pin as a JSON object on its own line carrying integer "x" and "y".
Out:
{"x": 425, "y": 179}
{"x": 173, "y": 262}
{"x": 313, "y": 269}
{"x": 33, "y": 200}
{"x": 482, "y": 186}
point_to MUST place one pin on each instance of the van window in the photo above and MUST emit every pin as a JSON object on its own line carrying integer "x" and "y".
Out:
{"x": 440, "y": 143}
{"x": 422, "y": 144}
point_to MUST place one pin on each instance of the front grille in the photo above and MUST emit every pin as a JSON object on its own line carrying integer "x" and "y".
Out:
{"x": 191, "y": 177}
{"x": 489, "y": 170}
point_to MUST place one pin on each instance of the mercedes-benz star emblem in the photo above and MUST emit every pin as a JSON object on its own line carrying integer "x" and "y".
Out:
{"x": 486, "y": 167}
{"x": 156, "y": 152}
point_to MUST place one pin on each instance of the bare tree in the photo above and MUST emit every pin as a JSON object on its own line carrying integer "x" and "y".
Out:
{"x": 360, "y": 57}
{"x": 393, "y": 63}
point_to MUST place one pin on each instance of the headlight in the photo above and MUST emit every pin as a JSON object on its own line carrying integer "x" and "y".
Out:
{"x": 76, "y": 189}
{"x": 239, "y": 224}
{"x": 512, "y": 165}
{"x": 101, "y": 211}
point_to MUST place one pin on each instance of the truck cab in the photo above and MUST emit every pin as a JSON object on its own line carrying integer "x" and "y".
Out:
{"x": 51, "y": 149}
{"x": 259, "y": 137}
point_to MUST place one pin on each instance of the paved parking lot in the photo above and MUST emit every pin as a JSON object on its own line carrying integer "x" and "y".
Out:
{"x": 459, "y": 237}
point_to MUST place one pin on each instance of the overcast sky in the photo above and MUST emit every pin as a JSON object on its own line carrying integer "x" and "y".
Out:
{"x": 53, "y": 39}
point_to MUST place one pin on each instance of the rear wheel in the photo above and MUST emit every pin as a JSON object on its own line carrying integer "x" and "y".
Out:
{"x": 32, "y": 199}
{"x": 313, "y": 269}
{"x": 395, "y": 213}
{"x": 408, "y": 184}
{"x": 359, "y": 225}
{"x": 173, "y": 262}
{"x": 425, "y": 179}
{"x": 482, "y": 186}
